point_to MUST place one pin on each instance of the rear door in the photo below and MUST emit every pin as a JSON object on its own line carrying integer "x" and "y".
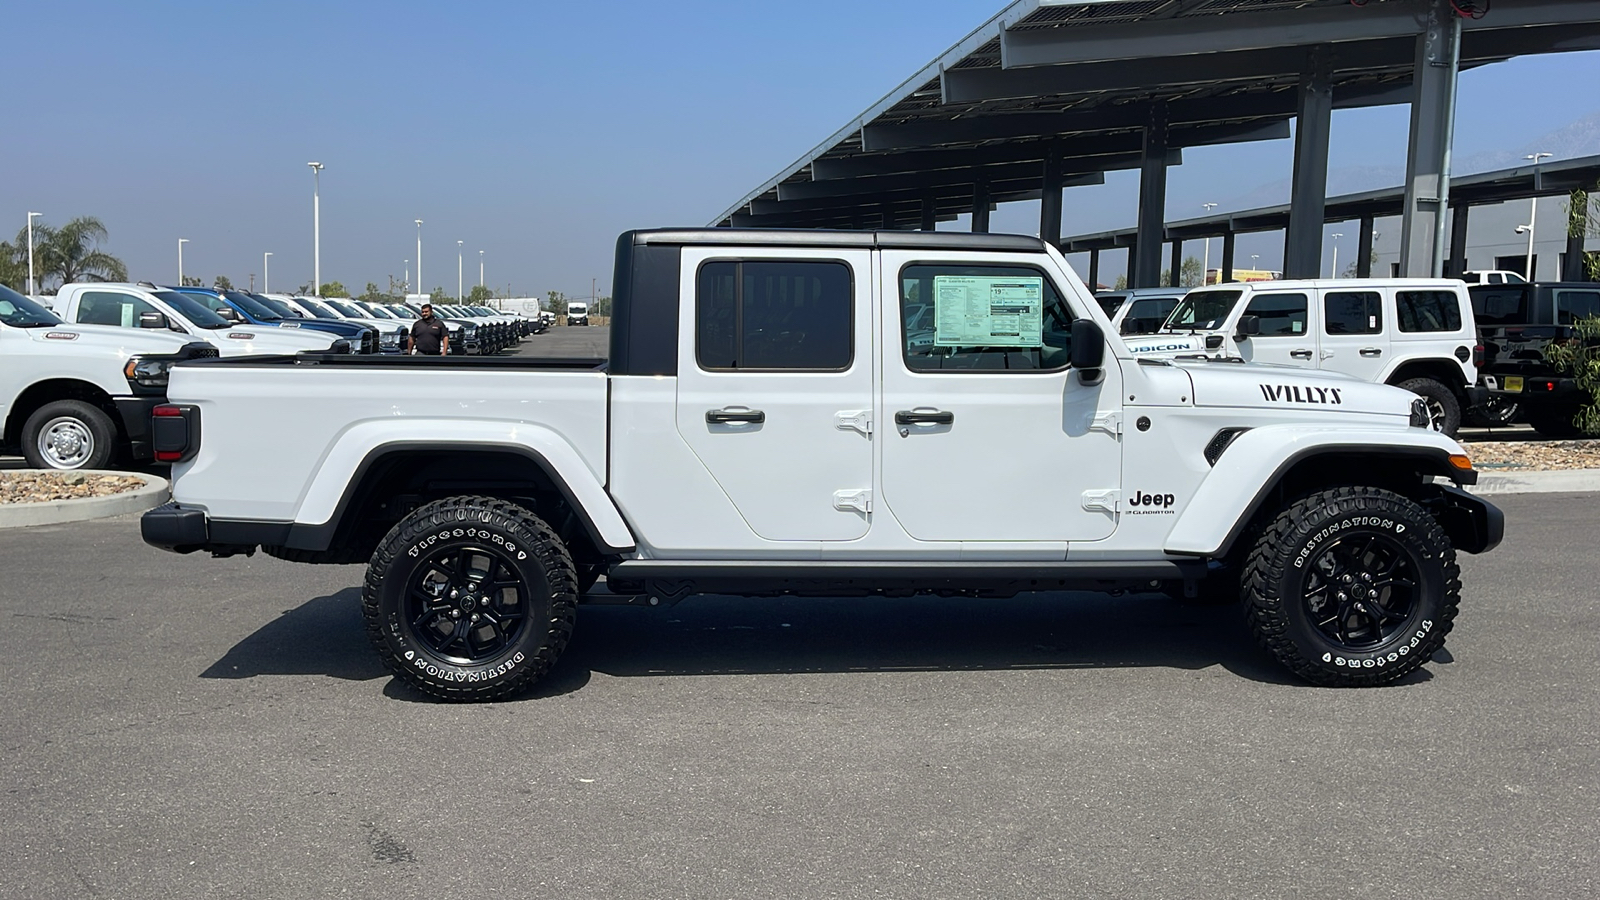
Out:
{"x": 775, "y": 385}
{"x": 1355, "y": 332}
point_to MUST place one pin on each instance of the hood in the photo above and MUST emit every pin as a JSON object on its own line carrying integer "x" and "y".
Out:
{"x": 257, "y": 340}
{"x": 108, "y": 339}
{"x": 1260, "y": 386}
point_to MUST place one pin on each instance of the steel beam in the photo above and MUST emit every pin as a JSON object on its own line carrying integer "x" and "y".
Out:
{"x": 1146, "y": 268}
{"x": 914, "y": 181}
{"x": 1459, "y": 216}
{"x": 980, "y": 207}
{"x": 930, "y": 215}
{"x": 1050, "y": 201}
{"x": 1085, "y": 149}
{"x": 1227, "y": 256}
{"x": 1257, "y": 31}
{"x": 1433, "y": 115}
{"x": 1175, "y": 270}
{"x": 1094, "y": 270}
{"x": 1364, "y": 249}
{"x": 1302, "y": 242}
{"x": 957, "y": 191}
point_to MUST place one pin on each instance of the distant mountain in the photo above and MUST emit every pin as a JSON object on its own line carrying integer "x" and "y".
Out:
{"x": 1580, "y": 138}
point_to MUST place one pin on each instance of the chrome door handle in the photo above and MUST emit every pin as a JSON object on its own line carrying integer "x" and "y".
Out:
{"x": 1300, "y": 354}
{"x": 924, "y": 417}
{"x": 1371, "y": 351}
{"x": 732, "y": 415}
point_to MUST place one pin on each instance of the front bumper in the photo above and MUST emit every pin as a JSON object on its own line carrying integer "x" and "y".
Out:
{"x": 135, "y": 414}
{"x": 1473, "y": 524}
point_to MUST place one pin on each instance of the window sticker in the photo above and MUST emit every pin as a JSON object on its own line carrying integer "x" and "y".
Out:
{"x": 996, "y": 311}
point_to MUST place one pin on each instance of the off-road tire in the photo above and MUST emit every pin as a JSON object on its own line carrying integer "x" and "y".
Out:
{"x": 88, "y": 420}
{"x": 1443, "y": 404}
{"x": 1288, "y": 557}
{"x": 411, "y": 561}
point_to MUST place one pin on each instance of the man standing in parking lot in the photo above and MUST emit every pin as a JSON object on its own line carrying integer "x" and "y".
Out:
{"x": 428, "y": 335}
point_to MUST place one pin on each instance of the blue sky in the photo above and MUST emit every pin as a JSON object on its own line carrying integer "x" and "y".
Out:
{"x": 533, "y": 131}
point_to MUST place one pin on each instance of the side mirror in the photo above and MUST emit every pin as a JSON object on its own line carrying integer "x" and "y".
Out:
{"x": 229, "y": 313}
{"x": 153, "y": 319}
{"x": 1088, "y": 347}
{"x": 1249, "y": 325}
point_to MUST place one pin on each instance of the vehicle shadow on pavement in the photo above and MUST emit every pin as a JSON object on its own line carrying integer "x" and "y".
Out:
{"x": 323, "y": 636}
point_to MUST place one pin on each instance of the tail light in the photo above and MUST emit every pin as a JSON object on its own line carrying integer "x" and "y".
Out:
{"x": 1478, "y": 354}
{"x": 174, "y": 432}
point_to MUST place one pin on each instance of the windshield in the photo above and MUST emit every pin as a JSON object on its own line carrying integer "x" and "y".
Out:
{"x": 401, "y": 312}
{"x": 252, "y": 308}
{"x": 20, "y": 312}
{"x": 347, "y": 309}
{"x": 579, "y": 308}
{"x": 1204, "y": 310}
{"x": 377, "y": 310}
{"x": 317, "y": 310}
{"x": 198, "y": 314}
{"x": 283, "y": 309}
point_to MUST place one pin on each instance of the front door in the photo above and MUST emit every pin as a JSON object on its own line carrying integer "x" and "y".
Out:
{"x": 988, "y": 434}
{"x": 1286, "y": 338}
{"x": 775, "y": 386}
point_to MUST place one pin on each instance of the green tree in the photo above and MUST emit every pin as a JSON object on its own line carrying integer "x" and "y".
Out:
{"x": 602, "y": 306}
{"x": 333, "y": 289}
{"x": 1191, "y": 275}
{"x": 1583, "y": 221}
{"x": 557, "y": 302}
{"x": 480, "y": 295}
{"x": 373, "y": 295}
{"x": 71, "y": 253}
{"x": 223, "y": 283}
{"x": 439, "y": 295}
{"x": 191, "y": 281}
{"x": 13, "y": 267}
{"x": 1122, "y": 283}
{"x": 1580, "y": 357}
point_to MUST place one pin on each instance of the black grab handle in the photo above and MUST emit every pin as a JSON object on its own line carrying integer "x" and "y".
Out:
{"x": 726, "y": 416}
{"x": 912, "y": 417}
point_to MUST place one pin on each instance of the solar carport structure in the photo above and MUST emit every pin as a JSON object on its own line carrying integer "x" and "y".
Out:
{"x": 1048, "y": 95}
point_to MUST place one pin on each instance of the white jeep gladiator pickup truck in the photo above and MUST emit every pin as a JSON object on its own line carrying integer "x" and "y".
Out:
{"x": 78, "y": 396}
{"x": 1415, "y": 333}
{"x": 767, "y": 423}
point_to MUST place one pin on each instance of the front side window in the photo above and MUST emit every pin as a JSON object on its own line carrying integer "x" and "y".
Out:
{"x": 756, "y": 314}
{"x": 1574, "y": 305}
{"x": 1281, "y": 315}
{"x": 982, "y": 318}
{"x": 1352, "y": 312}
{"x": 1425, "y": 311}
{"x": 111, "y": 308}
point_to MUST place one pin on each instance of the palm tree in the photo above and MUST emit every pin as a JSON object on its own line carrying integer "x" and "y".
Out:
{"x": 69, "y": 254}
{"x": 13, "y": 267}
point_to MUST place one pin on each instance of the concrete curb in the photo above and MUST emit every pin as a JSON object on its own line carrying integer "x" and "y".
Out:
{"x": 54, "y": 512}
{"x": 1560, "y": 481}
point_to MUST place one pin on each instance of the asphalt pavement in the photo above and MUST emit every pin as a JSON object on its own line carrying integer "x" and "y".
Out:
{"x": 179, "y": 726}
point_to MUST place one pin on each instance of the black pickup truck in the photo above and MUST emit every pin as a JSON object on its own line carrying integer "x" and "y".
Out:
{"x": 1518, "y": 323}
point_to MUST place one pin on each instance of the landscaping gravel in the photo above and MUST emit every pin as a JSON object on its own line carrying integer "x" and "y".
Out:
{"x": 1535, "y": 456}
{"x": 42, "y": 487}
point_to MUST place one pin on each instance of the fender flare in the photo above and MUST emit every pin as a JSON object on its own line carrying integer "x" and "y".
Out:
{"x": 342, "y": 470}
{"x": 1224, "y": 503}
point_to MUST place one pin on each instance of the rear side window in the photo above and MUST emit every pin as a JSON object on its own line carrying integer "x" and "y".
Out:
{"x": 1281, "y": 315}
{"x": 982, "y": 318}
{"x": 1424, "y": 311}
{"x": 1505, "y": 306}
{"x": 1352, "y": 312}
{"x": 111, "y": 308}
{"x": 1574, "y": 305}
{"x": 773, "y": 315}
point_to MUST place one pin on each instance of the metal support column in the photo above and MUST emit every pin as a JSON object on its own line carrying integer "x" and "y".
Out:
{"x": 1226, "y": 274}
{"x": 1302, "y": 240}
{"x": 980, "y": 208}
{"x": 930, "y": 216}
{"x": 1577, "y": 224}
{"x": 1433, "y": 115}
{"x": 1050, "y": 200}
{"x": 1094, "y": 270}
{"x": 1364, "y": 249}
{"x": 1145, "y": 270}
{"x": 1175, "y": 274}
{"x": 885, "y": 216}
{"x": 1458, "y": 241}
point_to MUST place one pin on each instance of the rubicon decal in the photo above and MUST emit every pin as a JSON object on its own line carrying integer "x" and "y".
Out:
{"x": 1294, "y": 393}
{"x": 1156, "y": 348}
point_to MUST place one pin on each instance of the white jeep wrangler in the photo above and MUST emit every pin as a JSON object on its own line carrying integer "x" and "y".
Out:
{"x": 840, "y": 413}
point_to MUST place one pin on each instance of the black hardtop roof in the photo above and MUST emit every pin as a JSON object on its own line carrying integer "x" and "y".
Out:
{"x": 806, "y": 237}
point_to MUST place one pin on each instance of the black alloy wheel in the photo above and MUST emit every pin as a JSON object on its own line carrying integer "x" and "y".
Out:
{"x": 1360, "y": 590}
{"x": 467, "y": 603}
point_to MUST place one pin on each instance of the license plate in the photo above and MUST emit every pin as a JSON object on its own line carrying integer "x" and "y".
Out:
{"x": 1513, "y": 383}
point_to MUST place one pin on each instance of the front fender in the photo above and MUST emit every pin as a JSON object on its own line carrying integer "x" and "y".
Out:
{"x": 359, "y": 447}
{"x": 1251, "y": 467}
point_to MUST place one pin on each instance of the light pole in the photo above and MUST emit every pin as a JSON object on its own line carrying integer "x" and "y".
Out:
{"x": 1533, "y": 216}
{"x": 480, "y": 268}
{"x": 1205, "y": 264}
{"x": 181, "y": 242}
{"x": 316, "y": 228}
{"x": 1334, "y": 269}
{"x": 419, "y": 256}
{"x": 266, "y": 273}
{"x": 406, "y": 285}
{"x": 459, "y": 297}
{"x": 33, "y": 286}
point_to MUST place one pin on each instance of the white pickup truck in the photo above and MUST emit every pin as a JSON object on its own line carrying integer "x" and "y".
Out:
{"x": 768, "y": 423}
{"x": 1418, "y": 334}
{"x": 80, "y": 396}
{"x": 150, "y": 307}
